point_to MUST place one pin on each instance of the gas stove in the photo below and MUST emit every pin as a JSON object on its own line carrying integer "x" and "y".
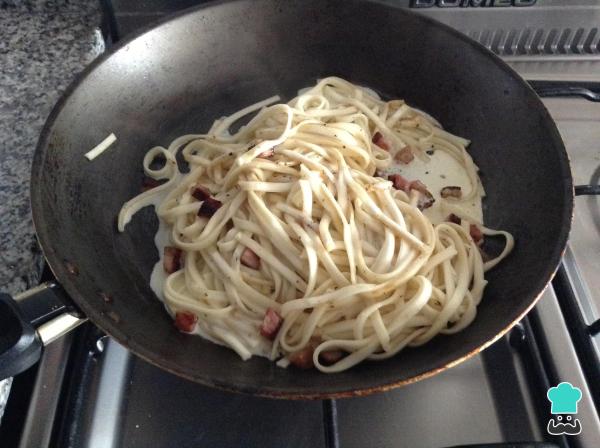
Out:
{"x": 88, "y": 391}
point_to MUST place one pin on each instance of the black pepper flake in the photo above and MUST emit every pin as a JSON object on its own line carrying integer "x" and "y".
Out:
{"x": 230, "y": 153}
{"x": 430, "y": 152}
{"x": 426, "y": 172}
{"x": 443, "y": 176}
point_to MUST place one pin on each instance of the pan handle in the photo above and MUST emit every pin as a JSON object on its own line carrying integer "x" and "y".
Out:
{"x": 587, "y": 190}
{"x": 28, "y": 322}
{"x": 587, "y": 90}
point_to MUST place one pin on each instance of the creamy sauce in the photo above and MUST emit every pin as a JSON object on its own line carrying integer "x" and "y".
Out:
{"x": 442, "y": 170}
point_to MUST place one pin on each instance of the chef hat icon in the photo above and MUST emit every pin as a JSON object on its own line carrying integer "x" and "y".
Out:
{"x": 564, "y": 398}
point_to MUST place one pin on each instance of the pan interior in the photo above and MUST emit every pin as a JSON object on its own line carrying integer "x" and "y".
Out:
{"x": 179, "y": 77}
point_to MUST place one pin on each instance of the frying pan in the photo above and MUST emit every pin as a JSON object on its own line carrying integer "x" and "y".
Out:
{"x": 209, "y": 61}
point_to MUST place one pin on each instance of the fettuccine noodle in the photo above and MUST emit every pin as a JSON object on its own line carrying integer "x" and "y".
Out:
{"x": 285, "y": 228}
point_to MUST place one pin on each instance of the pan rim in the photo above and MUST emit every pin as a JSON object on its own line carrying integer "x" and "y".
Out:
{"x": 56, "y": 264}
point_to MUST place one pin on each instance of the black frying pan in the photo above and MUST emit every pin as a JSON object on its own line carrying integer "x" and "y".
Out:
{"x": 176, "y": 78}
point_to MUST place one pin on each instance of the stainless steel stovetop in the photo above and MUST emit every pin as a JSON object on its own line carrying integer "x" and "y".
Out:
{"x": 90, "y": 392}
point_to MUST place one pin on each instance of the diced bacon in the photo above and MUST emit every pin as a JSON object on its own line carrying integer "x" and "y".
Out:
{"x": 476, "y": 233}
{"x": 267, "y": 154}
{"x": 250, "y": 259}
{"x": 209, "y": 204}
{"x": 379, "y": 140}
{"x": 201, "y": 193}
{"x": 451, "y": 192}
{"x": 171, "y": 259}
{"x": 419, "y": 186}
{"x": 405, "y": 155}
{"x": 454, "y": 219}
{"x": 399, "y": 182}
{"x": 209, "y": 207}
{"x": 271, "y": 324}
{"x": 303, "y": 359}
{"x": 426, "y": 200}
{"x": 185, "y": 321}
{"x": 148, "y": 183}
{"x": 331, "y": 356}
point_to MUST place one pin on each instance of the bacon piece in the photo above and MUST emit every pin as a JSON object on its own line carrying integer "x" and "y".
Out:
{"x": 209, "y": 207}
{"x": 331, "y": 356}
{"x": 201, "y": 193}
{"x": 267, "y": 154}
{"x": 303, "y": 359}
{"x": 271, "y": 324}
{"x": 399, "y": 182}
{"x": 419, "y": 186}
{"x": 171, "y": 259}
{"x": 250, "y": 259}
{"x": 405, "y": 155}
{"x": 209, "y": 204}
{"x": 185, "y": 321}
{"x": 148, "y": 183}
{"x": 379, "y": 140}
{"x": 451, "y": 192}
{"x": 454, "y": 219}
{"x": 476, "y": 233}
{"x": 426, "y": 200}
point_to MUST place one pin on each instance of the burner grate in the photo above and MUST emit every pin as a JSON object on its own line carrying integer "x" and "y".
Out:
{"x": 539, "y": 41}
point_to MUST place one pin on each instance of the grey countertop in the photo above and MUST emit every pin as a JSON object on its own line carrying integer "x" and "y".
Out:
{"x": 43, "y": 45}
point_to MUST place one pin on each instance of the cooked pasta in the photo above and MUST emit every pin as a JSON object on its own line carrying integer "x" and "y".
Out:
{"x": 284, "y": 240}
